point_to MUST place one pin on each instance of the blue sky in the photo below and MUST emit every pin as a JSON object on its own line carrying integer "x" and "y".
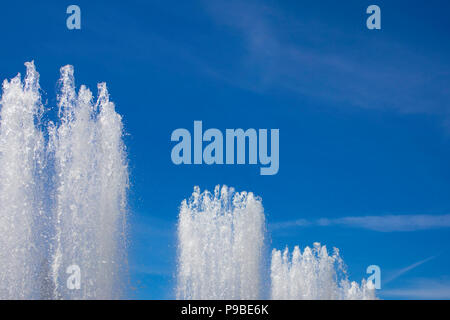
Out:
{"x": 364, "y": 119}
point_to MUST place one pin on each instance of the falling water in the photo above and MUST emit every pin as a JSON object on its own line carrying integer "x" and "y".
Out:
{"x": 63, "y": 198}
{"x": 221, "y": 250}
{"x": 21, "y": 164}
{"x": 313, "y": 275}
{"x": 63, "y": 201}
{"x": 221, "y": 239}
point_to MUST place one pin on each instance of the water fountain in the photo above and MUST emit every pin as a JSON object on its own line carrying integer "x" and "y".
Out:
{"x": 63, "y": 191}
{"x": 314, "y": 275}
{"x": 63, "y": 198}
{"x": 221, "y": 255}
{"x": 221, "y": 238}
{"x": 21, "y": 167}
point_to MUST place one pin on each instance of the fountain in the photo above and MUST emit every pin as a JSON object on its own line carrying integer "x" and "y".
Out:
{"x": 221, "y": 255}
{"x": 21, "y": 168}
{"x": 221, "y": 238}
{"x": 314, "y": 275}
{"x": 63, "y": 188}
{"x": 64, "y": 196}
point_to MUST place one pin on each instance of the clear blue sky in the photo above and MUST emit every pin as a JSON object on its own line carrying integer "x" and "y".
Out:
{"x": 364, "y": 119}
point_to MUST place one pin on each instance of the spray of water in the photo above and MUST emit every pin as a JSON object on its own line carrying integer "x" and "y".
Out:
{"x": 221, "y": 239}
{"x": 63, "y": 202}
{"x": 221, "y": 244}
{"x": 91, "y": 180}
{"x": 63, "y": 199}
{"x": 21, "y": 164}
{"x": 314, "y": 275}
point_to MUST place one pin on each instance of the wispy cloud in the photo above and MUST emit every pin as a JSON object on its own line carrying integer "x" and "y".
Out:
{"x": 284, "y": 51}
{"x": 422, "y": 289}
{"x": 387, "y": 223}
{"x": 407, "y": 269}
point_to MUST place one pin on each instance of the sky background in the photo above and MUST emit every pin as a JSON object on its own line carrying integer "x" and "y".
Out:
{"x": 364, "y": 119}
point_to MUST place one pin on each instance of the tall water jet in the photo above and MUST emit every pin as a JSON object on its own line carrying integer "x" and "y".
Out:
{"x": 313, "y": 275}
{"x": 62, "y": 199}
{"x": 91, "y": 180}
{"x": 220, "y": 245}
{"x": 113, "y": 183}
{"x": 21, "y": 199}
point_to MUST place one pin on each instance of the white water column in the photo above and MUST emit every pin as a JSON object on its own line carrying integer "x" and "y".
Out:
{"x": 220, "y": 245}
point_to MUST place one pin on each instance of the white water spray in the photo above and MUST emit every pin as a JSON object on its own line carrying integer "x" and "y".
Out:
{"x": 221, "y": 243}
{"x": 314, "y": 275}
{"x": 62, "y": 204}
{"x": 221, "y": 239}
{"x": 91, "y": 180}
{"x": 21, "y": 163}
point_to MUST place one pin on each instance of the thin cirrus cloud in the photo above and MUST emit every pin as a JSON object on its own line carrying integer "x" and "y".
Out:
{"x": 294, "y": 54}
{"x": 422, "y": 289}
{"x": 404, "y": 270}
{"x": 387, "y": 223}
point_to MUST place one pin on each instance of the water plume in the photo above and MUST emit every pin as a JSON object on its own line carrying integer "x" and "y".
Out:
{"x": 221, "y": 244}
{"x": 63, "y": 197}
{"x": 221, "y": 238}
{"x": 314, "y": 275}
{"x": 21, "y": 165}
